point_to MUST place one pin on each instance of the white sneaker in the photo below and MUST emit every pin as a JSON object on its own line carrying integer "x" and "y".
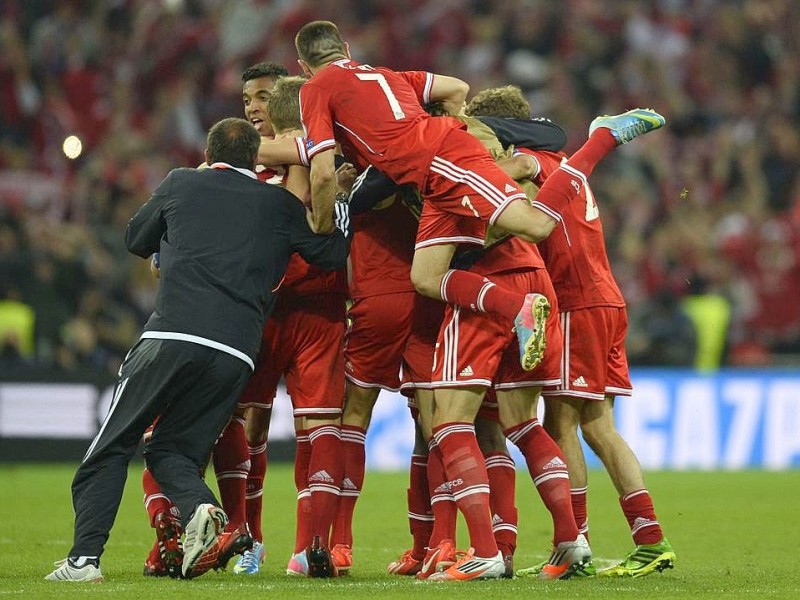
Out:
{"x": 66, "y": 570}
{"x": 202, "y": 531}
{"x": 472, "y": 567}
{"x": 567, "y": 559}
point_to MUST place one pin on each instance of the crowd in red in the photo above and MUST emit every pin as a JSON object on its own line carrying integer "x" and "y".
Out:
{"x": 707, "y": 208}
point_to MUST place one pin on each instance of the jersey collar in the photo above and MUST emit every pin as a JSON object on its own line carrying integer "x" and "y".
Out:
{"x": 222, "y": 165}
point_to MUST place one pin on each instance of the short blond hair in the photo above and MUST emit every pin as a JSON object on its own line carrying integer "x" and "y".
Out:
{"x": 284, "y": 104}
{"x": 505, "y": 101}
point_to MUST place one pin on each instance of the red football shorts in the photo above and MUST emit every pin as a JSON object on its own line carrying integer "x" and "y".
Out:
{"x": 303, "y": 341}
{"x": 464, "y": 191}
{"x": 482, "y": 349}
{"x": 418, "y": 353}
{"x": 376, "y": 337}
{"x": 595, "y": 363}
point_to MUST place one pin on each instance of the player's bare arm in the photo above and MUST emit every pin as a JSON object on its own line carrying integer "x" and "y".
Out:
{"x": 451, "y": 91}
{"x": 323, "y": 191}
{"x": 296, "y": 179}
{"x": 519, "y": 167}
{"x": 278, "y": 152}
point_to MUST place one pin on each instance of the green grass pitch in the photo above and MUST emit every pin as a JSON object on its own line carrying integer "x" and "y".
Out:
{"x": 732, "y": 531}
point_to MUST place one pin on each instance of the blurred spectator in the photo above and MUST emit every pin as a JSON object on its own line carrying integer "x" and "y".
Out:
{"x": 710, "y": 312}
{"x": 16, "y": 331}
{"x": 716, "y": 193}
{"x": 662, "y": 333}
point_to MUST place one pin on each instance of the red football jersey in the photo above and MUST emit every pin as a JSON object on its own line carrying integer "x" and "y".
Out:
{"x": 381, "y": 251}
{"x": 302, "y": 278}
{"x": 575, "y": 252}
{"x": 512, "y": 254}
{"x": 376, "y": 115}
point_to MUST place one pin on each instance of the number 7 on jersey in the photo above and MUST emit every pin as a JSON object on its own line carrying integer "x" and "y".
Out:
{"x": 393, "y": 103}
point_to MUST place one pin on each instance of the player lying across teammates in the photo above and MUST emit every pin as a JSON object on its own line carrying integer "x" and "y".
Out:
{"x": 448, "y": 286}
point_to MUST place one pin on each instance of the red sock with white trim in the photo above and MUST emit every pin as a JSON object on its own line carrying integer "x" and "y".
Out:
{"x": 641, "y": 516}
{"x": 354, "y": 458}
{"x": 420, "y": 515}
{"x": 255, "y": 488}
{"x": 548, "y": 469}
{"x": 325, "y": 470}
{"x": 502, "y": 492}
{"x": 443, "y": 504}
{"x": 479, "y": 294}
{"x": 302, "y": 539}
{"x": 600, "y": 143}
{"x": 155, "y": 502}
{"x": 579, "y": 509}
{"x": 231, "y": 465}
{"x": 468, "y": 482}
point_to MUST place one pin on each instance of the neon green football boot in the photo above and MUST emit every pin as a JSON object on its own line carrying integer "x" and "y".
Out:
{"x": 643, "y": 560}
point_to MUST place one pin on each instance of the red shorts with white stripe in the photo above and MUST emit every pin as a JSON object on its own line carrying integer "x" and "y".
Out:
{"x": 378, "y": 330}
{"x": 418, "y": 353}
{"x": 303, "y": 341}
{"x": 593, "y": 358}
{"x": 481, "y": 349}
{"x": 464, "y": 191}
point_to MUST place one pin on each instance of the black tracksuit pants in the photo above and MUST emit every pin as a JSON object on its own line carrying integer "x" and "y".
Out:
{"x": 193, "y": 390}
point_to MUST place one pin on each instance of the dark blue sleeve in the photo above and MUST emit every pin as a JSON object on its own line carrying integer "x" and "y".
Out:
{"x": 369, "y": 188}
{"x": 534, "y": 134}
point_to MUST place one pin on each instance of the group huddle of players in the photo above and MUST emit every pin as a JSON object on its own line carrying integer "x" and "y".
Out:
{"x": 477, "y": 283}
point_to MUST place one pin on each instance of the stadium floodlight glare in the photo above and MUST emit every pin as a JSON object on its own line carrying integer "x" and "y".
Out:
{"x": 72, "y": 147}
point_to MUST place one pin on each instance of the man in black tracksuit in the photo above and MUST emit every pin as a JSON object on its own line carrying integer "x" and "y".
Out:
{"x": 224, "y": 240}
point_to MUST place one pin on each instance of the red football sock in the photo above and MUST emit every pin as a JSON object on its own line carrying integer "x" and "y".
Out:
{"x": 302, "y": 457}
{"x": 478, "y": 294}
{"x": 585, "y": 159}
{"x": 354, "y": 458}
{"x": 231, "y": 465}
{"x": 154, "y": 558}
{"x": 325, "y": 470}
{"x": 443, "y": 504}
{"x": 641, "y": 516}
{"x": 548, "y": 470}
{"x": 155, "y": 501}
{"x": 255, "y": 489}
{"x": 561, "y": 187}
{"x": 420, "y": 516}
{"x": 502, "y": 491}
{"x": 468, "y": 482}
{"x": 579, "y": 509}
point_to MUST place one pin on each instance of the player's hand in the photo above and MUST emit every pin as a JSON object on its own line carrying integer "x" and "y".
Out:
{"x": 345, "y": 176}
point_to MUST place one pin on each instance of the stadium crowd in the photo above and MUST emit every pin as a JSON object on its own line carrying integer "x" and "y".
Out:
{"x": 701, "y": 221}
